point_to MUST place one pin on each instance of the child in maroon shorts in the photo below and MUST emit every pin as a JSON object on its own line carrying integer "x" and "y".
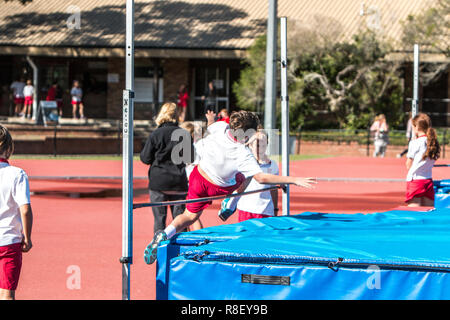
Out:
{"x": 423, "y": 151}
{"x": 16, "y": 218}
{"x": 226, "y": 165}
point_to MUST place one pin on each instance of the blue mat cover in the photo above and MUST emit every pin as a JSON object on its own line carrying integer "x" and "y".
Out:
{"x": 387, "y": 255}
{"x": 442, "y": 193}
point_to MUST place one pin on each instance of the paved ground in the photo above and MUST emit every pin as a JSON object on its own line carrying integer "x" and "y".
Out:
{"x": 77, "y": 227}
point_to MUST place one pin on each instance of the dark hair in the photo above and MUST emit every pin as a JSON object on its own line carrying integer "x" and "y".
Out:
{"x": 6, "y": 142}
{"x": 244, "y": 120}
{"x": 423, "y": 122}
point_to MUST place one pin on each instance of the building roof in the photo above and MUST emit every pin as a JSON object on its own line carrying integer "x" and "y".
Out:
{"x": 187, "y": 24}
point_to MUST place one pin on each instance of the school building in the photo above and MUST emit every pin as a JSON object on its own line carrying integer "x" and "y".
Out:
{"x": 176, "y": 42}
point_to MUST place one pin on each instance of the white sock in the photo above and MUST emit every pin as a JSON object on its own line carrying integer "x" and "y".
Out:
{"x": 170, "y": 231}
{"x": 232, "y": 203}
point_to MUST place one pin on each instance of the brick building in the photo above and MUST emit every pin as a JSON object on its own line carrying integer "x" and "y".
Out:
{"x": 176, "y": 42}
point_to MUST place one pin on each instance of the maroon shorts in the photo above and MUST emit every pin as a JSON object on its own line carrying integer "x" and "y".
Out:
{"x": 18, "y": 100}
{"x": 199, "y": 187}
{"x": 419, "y": 188}
{"x": 10, "y": 265}
{"x": 244, "y": 215}
{"x": 29, "y": 100}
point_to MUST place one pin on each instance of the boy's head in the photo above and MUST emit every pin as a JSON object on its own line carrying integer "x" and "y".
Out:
{"x": 243, "y": 125}
{"x": 29, "y": 82}
{"x": 6, "y": 143}
{"x": 76, "y": 83}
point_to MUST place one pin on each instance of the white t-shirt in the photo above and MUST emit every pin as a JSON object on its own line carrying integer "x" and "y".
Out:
{"x": 77, "y": 94}
{"x": 14, "y": 193}
{"x": 18, "y": 87}
{"x": 28, "y": 91}
{"x": 222, "y": 157}
{"x": 197, "y": 156}
{"x": 259, "y": 203}
{"x": 420, "y": 169}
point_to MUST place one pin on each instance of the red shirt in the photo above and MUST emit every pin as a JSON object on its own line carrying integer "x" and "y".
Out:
{"x": 51, "y": 95}
{"x": 183, "y": 97}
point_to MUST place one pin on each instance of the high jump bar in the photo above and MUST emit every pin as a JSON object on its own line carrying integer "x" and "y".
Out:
{"x": 329, "y": 179}
{"x": 177, "y": 202}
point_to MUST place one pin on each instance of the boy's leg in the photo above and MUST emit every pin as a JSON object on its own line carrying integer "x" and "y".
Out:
{"x": 229, "y": 205}
{"x": 180, "y": 223}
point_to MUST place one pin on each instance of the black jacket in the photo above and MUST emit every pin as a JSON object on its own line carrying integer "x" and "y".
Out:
{"x": 163, "y": 174}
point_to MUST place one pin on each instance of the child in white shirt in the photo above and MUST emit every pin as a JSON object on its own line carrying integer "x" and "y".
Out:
{"x": 77, "y": 101}
{"x": 28, "y": 92}
{"x": 262, "y": 204}
{"x": 16, "y": 218}
{"x": 423, "y": 151}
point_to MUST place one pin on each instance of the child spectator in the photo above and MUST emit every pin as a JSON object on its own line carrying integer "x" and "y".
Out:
{"x": 28, "y": 92}
{"x": 77, "y": 102}
{"x": 381, "y": 135}
{"x": 17, "y": 91}
{"x": 423, "y": 151}
{"x": 55, "y": 94}
{"x": 182, "y": 102}
{"x": 16, "y": 218}
{"x": 262, "y": 204}
{"x": 224, "y": 116}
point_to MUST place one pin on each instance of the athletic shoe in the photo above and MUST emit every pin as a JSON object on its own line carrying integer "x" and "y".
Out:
{"x": 151, "y": 250}
{"x": 225, "y": 211}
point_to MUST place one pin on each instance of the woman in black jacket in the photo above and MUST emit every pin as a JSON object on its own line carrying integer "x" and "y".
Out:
{"x": 167, "y": 175}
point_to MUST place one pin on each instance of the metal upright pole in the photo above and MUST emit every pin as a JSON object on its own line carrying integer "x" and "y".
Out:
{"x": 127, "y": 160}
{"x": 284, "y": 114}
{"x": 271, "y": 71}
{"x": 415, "y": 100}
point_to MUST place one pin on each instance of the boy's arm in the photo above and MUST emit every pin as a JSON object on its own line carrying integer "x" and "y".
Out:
{"x": 27, "y": 223}
{"x": 266, "y": 178}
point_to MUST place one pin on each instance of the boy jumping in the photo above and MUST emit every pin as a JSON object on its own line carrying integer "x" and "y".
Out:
{"x": 226, "y": 165}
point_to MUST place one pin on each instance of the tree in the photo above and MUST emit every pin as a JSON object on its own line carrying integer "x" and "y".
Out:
{"x": 349, "y": 82}
{"x": 355, "y": 80}
{"x": 431, "y": 30}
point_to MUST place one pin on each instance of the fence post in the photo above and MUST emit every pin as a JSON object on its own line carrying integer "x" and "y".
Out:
{"x": 368, "y": 142}
{"x": 54, "y": 140}
{"x": 443, "y": 143}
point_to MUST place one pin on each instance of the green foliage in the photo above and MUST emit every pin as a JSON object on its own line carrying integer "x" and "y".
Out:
{"x": 329, "y": 84}
{"x": 429, "y": 28}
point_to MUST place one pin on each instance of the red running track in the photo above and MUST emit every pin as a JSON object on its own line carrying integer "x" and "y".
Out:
{"x": 77, "y": 224}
